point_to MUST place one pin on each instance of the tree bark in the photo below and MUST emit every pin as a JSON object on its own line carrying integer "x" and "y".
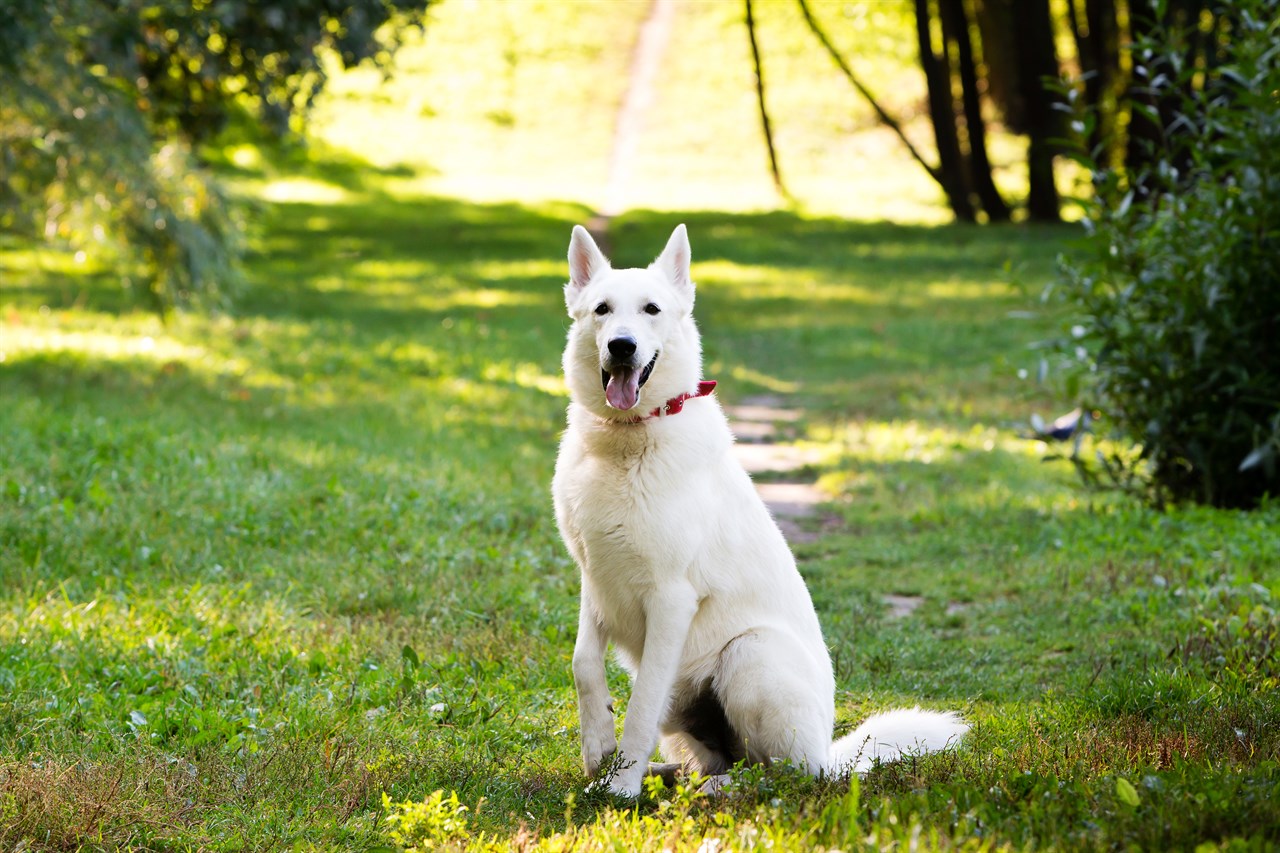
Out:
{"x": 999, "y": 54}
{"x": 955, "y": 23}
{"x": 1158, "y": 112}
{"x": 942, "y": 113}
{"x": 1038, "y": 61}
{"x": 1102, "y": 47}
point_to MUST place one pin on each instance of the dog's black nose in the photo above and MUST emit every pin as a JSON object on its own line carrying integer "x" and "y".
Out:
{"x": 622, "y": 348}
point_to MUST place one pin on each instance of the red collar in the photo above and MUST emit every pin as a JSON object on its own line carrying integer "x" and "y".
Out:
{"x": 676, "y": 404}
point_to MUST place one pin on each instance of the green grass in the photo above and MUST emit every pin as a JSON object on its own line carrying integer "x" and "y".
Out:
{"x": 271, "y": 578}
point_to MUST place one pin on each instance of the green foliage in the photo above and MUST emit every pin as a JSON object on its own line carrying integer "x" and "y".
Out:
{"x": 428, "y": 824}
{"x": 1176, "y": 294}
{"x": 1237, "y": 636}
{"x": 103, "y": 107}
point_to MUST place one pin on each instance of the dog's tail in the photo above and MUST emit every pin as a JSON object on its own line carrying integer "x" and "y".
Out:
{"x": 893, "y": 735}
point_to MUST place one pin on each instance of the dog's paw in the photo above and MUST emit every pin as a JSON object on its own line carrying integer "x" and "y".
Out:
{"x": 597, "y": 750}
{"x": 625, "y": 789}
{"x": 619, "y": 783}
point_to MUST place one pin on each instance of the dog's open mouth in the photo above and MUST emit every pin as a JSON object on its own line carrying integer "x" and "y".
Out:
{"x": 622, "y": 385}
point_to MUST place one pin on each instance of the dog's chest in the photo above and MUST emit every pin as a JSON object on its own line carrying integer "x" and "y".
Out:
{"x": 622, "y": 510}
{"x": 629, "y": 507}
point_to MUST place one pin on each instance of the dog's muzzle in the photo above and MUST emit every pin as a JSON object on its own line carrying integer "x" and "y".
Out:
{"x": 620, "y": 378}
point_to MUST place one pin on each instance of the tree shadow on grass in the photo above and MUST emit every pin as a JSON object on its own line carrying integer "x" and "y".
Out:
{"x": 373, "y": 316}
{"x": 426, "y": 334}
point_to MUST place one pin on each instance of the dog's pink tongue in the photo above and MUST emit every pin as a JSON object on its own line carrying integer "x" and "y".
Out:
{"x": 623, "y": 389}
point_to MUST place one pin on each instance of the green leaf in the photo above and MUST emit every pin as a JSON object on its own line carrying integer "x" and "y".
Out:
{"x": 1126, "y": 792}
{"x": 410, "y": 657}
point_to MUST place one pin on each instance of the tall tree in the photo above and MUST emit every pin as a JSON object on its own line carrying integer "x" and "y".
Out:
{"x": 1037, "y": 64}
{"x": 955, "y": 28}
{"x": 999, "y": 54}
{"x": 937, "y": 75}
{"x": 1095, "y": 30}
{"x": 1194, "y": 33}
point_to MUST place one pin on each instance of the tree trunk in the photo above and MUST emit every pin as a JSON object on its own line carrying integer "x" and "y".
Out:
{"x": 999, "y": 54}
{"x": 1103, "y": 64}
{"x": 1156, "y": 115}
{"x": 1038, "y": 61}
{"x": 955, "y": 23}
{"x": 1145, "y": 128}
{"x": 942, "y": 112}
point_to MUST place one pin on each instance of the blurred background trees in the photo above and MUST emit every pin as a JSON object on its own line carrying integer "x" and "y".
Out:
{"x": 1017, "y": 62}
{"x": 103, "y": 107}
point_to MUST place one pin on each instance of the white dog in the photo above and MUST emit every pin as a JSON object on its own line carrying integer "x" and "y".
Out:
{"x": 683, "y": 568}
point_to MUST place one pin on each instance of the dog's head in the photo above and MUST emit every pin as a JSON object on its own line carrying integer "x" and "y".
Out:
{"x": 633, "y": 344}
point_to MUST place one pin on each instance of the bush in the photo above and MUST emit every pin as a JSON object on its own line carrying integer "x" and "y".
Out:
{"x": 103, "y": 107}
{"x": 1176, "y": 295}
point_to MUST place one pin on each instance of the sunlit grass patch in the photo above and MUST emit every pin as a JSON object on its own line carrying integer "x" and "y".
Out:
{"x": 497, "y": 101}
{"x": 26, "y": 340}
{"x": 302, "y": 190}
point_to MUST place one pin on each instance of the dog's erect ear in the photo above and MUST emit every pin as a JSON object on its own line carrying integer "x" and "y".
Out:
{"x": 585, "y": 259}
{"x": 674, "y": 260}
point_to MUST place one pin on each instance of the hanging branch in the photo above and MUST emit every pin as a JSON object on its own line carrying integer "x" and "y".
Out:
{"x": 884, "y": 117}
{"x": 764, "y": 113}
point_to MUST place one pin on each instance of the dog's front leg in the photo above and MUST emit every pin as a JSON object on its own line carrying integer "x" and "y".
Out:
{"x": 595, "y": 712}
{"x": 668, "y": 614}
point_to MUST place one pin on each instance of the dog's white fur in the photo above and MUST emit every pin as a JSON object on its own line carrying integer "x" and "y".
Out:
{"x": 683, "y": 568}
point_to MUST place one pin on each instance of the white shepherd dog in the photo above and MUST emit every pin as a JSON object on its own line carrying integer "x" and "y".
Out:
{"x": 683, "y": 568}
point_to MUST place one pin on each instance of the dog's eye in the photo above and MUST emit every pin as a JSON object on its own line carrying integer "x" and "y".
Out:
{"x": 652, "y": 309}
{"x": 602, "y": 309}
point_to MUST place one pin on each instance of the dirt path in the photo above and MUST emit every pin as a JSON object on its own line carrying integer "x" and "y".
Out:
{"x": 762, "y": 425}
{"x": 651, "y": 44}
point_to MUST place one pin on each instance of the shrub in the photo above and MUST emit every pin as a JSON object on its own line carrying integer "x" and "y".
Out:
{"x": 103, "y": 107}
{"x": 1175, "y": 333}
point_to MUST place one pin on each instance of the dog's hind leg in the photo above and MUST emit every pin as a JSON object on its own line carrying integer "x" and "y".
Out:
{"x": 667, "y": 772}
{"x": 698, "y": 735}
{"x": 776, "y": 697}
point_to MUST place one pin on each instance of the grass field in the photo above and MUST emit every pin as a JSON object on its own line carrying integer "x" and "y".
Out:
{"x": 272, "y": 577}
